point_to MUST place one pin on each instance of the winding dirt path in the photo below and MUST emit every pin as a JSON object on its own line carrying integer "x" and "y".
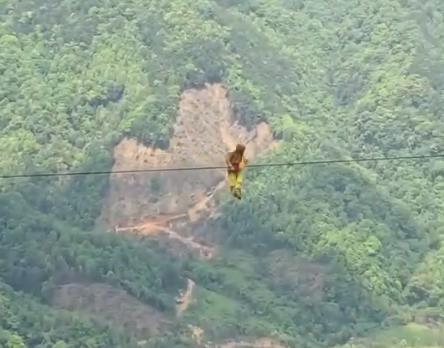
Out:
{"x": 184, "y": 301}
{"x": 206, "y": 207}
{"x": 160, "y": 226}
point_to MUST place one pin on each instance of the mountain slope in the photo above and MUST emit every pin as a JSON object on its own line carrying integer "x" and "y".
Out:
{"x": 314, "y": 255}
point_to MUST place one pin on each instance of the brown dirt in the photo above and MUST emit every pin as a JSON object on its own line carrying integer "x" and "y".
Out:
{"x": 168, "y": 205}
{"x": 156, "y": 227}
{"x": 150, "y": 204}
{"x": 204, "y": 132}
{"x": 110, "y": 305}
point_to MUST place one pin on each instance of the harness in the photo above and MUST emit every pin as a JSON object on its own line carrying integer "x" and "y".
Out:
{"x": 236, "y": 165}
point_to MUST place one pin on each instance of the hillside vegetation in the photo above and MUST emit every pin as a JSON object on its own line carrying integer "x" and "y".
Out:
{"x": 314, "y": 256}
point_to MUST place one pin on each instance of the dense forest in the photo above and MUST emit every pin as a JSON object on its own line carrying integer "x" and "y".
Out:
{"x": 344, "y": 255}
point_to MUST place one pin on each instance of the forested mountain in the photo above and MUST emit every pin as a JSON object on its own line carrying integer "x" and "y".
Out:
{"x": 346, "y": 255}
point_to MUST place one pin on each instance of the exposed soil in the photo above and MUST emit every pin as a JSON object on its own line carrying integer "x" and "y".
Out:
{"x": 155, "y": 204}
{"x": 110, "y": 305}
{"x": 204, "y": 132}
{"x": 168, "y": 206}
{"x": 161, "y": 227}
{"x": 186, "y": 298}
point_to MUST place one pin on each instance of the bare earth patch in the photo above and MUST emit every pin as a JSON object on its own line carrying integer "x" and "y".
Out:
{"x": 185, "y": 299}
{"x": 154, "y": 204}
{"x": 168, "y": 206}
{"x": 204, "y": 132}
{"x": 110, "y": 305}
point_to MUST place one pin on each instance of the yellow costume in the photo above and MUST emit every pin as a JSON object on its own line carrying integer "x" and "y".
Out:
{"x": 236, "y": 163}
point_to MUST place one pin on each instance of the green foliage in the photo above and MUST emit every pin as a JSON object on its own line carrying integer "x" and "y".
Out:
{"x": 313, "y": 254}
{"x": 408, "y": 336}
{"x": 426, "y": 286}
{"x": 25, "y": 323}
{"x": 40, "y": 252}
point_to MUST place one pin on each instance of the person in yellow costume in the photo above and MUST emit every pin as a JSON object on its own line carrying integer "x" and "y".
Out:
{"x": 236, "y": 163}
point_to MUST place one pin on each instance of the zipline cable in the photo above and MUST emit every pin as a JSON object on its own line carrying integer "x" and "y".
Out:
{"x": 285, "y": 164}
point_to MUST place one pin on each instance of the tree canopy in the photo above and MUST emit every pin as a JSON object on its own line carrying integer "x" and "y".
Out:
{"x": 313, "y": 256}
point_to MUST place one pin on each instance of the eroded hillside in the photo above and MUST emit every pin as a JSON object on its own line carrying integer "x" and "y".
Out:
{"x": 169, "y": 205}
{"x": 205, "y": 130}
